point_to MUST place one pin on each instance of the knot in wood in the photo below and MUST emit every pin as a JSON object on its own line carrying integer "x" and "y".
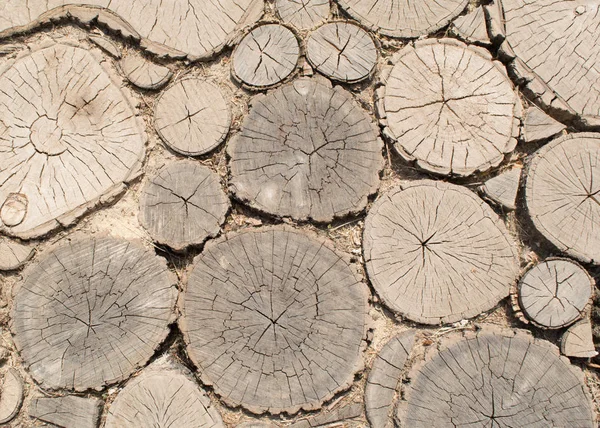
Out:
{"x": 46, "y": 136}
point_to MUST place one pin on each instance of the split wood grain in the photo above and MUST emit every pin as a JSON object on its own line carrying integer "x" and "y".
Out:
{"x": 472, "y": 27}
{"x": 144, "y": 73}
{"x": 303, "y": 14}
{"x": 274, "y": 319}
{"x": 436, "y": 253}
{"x": 13, "y": 253}
{"x": 539, "y": 126}
{"x": 68, "y": 411}
{"x": 578, "y": 341}
{"x": 91, "y": 311}
{"x": 106, "y": 45}
{"x": 11, "y": 395}
{"x": 342, "y": 415}
{"x": 503, "y": 188}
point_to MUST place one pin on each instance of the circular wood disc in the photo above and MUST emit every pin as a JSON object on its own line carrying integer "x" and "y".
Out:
{"x": 306, "y": 151}
{"x": 497, "y": 379}
{"x": 563, "y": 194}
{"x": 342, "y": 51}
{"x": 554, "y": 293}
{"x": 192, "y": 117}
{"x": 143, "y": 73}
{"x": 183, "y": 205}
{"x": 91, "y": 311}
{"x": 162, "y": 398}
{"x": 274, "y": 320}
{"x": 435, "y": 252}
{"x": 69, "y": 139}
{"x": 403, "y": 18}
{"x": 11, "y": 397}
{"x": 266, "y": 56}
{"x": 450, "y": 107}
{"x": 303, "y": 14}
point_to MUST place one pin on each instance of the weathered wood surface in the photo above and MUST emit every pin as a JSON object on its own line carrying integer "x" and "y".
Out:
{"x": 11, "y": 395}
{"x": 68, "y": 411}
{"x": 184, "y": 204}
{"x": 303, "y": 14}
{"x": 578, "y": 341}
{"x": 266, "y": 56}
{"x": 563, "y": 194}
{"x": 342, "y": 51}
{"x": 196, "y": 28}
{"x": 435, "y": 252}
{"x": 472, "y": 27}
{"x": 192, "y": 117}
{"x": 341, "y": 414}
{"x": 274, "y": 319}
{"x": 497, "y": 379}
{"x": 556, "y": 45}
{"x": 163, "y": 398}
{"x": 144, "y": 73}
{"x": 554, "y": 293}
{"x": 383, "y": 379}
{"x": 503, "y": 188}
{"x": 106, "y": 45}
{"x": 539, "y": 126}
{"x": 69, "y": 138}
{"x": 14, "y": 254}
{"x": 91, "y": 311}
{"x": 306, "y": 151}
{"x": 403, "y": 18}
{"x": 450, "y": 107}
{"x": 256, "y": 424}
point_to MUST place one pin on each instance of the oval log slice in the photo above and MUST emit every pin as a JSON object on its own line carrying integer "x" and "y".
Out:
{"x": 11, "y": 395}
{"x": 144, "y": 73}
{"x": 68, "y": 411}
{"x": 14, "y": 254}
{"x": 303, "y": 14}
{"x": 91, "y": 311}
{"x": 274, "y": 319}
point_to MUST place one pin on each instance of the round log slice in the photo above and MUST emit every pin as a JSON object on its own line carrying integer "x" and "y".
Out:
{"x": 403, "y": 18}
{"x": 69, "y": 139}
{"x": 342, "y": 51}
{"x": 554, "y": 293}
{"x": 274, "y": 320}
{"x": 162, "y": 398}
{"x": 144, "y": 73}
{"x": 563, "y": 194}
{"x": 192, "y": 117}
{"x": 266, "y": 56}
{"x": 303, "y": 14}
{"x": 306, "y": 151}
{"x": 450, "y": 107}
{"x": 435, "y": 252}
{"x": 497, "y": 379}
{"x": 183, "y": 205}
{"x": 91, "y": 311}
{"x": 11, "y": 395}
{"x": 14, "y": 254}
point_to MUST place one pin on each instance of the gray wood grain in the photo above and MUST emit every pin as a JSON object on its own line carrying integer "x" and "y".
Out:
{"x": 68, "y": 411}
{"x": 306, "y": 151}
{"x": 11, "y": 397}
{"x": 435, "y": 252}
{"x": 274, "y": 319}
{"x": 91, "y": 311}
{"x": 303, "y": 14}
{"x": 472, "y": 27}
{"x": 143, "y": 73}
{"x": 13, "y": 253}
{"x": 503, "y": 188}
{"x": 539, "y": 126}
{"x": 578, "y": 341}
{"x": 341, "y": 415}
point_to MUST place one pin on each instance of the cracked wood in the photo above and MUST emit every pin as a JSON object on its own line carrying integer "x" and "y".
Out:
{"x": 539, "y": 126}
{"x": 503, "y": 188}
{"x": 274, "y": 319}
{"x": 144, "y": 73}
{"x": 11, "y": 397}
{"x": 436, "y": 253}
{"x": 68, "y": 411}
{"x": 306, "y": 150}
{"x": 578, "y": 341}
{"x": 303, "y": 14}
{"x": 91, "y": 311}
{"x": 13, "y": 253}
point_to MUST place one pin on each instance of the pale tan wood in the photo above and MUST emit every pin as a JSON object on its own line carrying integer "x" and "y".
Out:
{"x": 68, "y": 411}
{"x": 106, "y": 45}
{"x": 274, "y": 319}
{"x": 11, "y": 395}
{"x": 578, "y": 341}
{"x": 143, "y": 73}
{"x": 69, "y": 138}
{"x": 342, "y": 415}
{"x": 303, "y": 14}
{"x": 472, "y": 27}
{"x": 13, "y": 253}
{"x": 503, "y": 188}
{"x": 539, "y": 126}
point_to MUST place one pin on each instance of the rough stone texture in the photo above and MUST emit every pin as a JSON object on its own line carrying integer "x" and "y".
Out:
{"x": 274, "y": 319}
{"x": 11, "y": 396}
{"x": 578, "y": 341}
{"x": 403, "y": 18}
{"x": 539, "y": 126}
{"x": 306, "y": 151}
{"x": 14, "y": 254}
{"x": 384, "y": 377}
{"x": 266, "y": 56}
{"x": 143, "y": 73}
{"x": 192, "y": 117}
{"x": 69, "y": 138}
{"x": 183, "y": 205}
{"x": 91, "y": 311}
{"x": 106, "y": 45}
{"x": 303, "y": 14}
{"x": 450, "y": 107}
{"x": 556, "y": 46}
{"x": 563, "y": 194}
{"x": 197, "y": 29}
{"x": 166, "y": 397}
{"x": 555, "y": 292}
{"x": 497, "y": 379}
{"x": 342, "y": 51}
{"x": 435, "y": 252}
{"x": 339, "y": 414}
{"x": 503, "y": 188}
{"x": 472, "y": 27}
{"x": 68, "y": 411}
